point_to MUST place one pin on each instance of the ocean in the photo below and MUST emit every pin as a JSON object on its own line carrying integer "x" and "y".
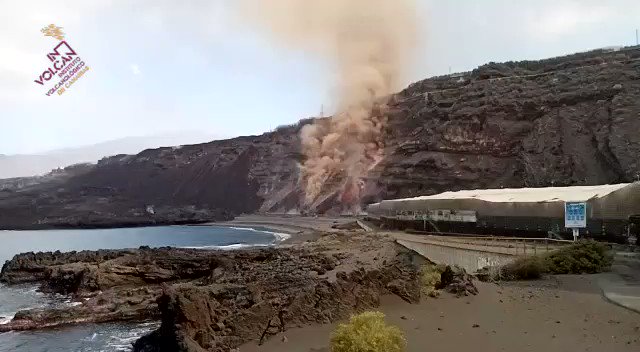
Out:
{"x": 102, "y": 337}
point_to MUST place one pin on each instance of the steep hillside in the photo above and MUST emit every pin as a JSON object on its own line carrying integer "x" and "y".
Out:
{"x": 562, "y": 121}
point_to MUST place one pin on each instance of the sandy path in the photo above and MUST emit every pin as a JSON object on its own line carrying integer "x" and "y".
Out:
{"x": 561, "y": 314}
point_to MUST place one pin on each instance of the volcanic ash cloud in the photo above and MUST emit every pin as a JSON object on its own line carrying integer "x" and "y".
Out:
{"x": 369, "y": 42}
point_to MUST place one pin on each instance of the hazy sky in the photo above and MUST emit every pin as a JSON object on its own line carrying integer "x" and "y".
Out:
{"x": 158, "y": 66}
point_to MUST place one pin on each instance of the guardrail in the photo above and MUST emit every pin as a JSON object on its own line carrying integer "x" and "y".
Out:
{"x": 506, "y": 245}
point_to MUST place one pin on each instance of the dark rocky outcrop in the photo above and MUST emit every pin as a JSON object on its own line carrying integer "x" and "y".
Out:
{"x": 121, "y": 304}
{"x": 563, "y": 121}
{"x": 457, "y": 281}
{"x": 36, "y": 267}
{"x": 216, "y": 300}
{"x": 271, "y": 298}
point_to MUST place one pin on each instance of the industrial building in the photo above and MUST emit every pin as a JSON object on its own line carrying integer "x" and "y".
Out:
{"x": 612, "y": 211}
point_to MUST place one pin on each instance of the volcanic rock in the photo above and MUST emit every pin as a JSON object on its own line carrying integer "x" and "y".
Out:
{"x": 217, "y": 300}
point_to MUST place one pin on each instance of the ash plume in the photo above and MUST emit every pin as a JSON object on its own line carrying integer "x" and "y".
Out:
{"x": 369, "y": 42}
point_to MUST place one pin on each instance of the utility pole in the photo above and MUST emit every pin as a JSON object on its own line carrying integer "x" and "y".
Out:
{"x": 322, "y": 110}
{"x": 637, "y": 41}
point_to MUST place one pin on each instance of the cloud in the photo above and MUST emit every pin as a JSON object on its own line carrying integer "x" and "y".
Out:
{"x": 568, "y": 18}
{"x": 200, "y": 62}
{"x": 135, "y": 69}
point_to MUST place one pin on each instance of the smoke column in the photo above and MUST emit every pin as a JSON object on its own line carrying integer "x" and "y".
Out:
{"x": 369, "y": 42}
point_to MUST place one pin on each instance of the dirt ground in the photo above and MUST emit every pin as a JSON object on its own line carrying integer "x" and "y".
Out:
{"x": 562, "y": 313}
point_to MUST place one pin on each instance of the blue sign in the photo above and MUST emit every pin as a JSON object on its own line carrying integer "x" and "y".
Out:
{"x": 575, "y": 215}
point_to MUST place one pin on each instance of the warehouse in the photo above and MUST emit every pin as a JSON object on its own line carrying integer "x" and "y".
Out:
{"x": 612, "y": 211}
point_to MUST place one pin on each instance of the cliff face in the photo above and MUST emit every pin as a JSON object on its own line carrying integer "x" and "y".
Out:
{"x": 564, "y": 121}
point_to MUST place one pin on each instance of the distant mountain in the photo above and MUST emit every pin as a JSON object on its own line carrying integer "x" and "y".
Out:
{"x": 22, "y": 165}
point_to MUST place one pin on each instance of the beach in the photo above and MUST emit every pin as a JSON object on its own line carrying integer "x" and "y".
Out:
{"x": 563, "y": 313}
{"x": 558, "y": 313}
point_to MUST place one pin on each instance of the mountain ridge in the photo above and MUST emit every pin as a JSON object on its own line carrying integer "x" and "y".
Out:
{"x": 569, "y": 120}
{"x": 34, "y": 164}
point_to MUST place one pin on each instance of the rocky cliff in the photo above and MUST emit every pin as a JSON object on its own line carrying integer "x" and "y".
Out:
{"x": 228, "y": 297}
{"x": 570, "y": 120}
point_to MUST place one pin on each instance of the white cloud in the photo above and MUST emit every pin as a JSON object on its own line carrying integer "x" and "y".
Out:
{"x": 219, "y": 56}
{"x": 568, "y": 18}
{"x": 135, "y": 69}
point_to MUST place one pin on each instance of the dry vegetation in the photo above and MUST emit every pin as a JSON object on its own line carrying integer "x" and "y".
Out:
{"x": 430, "y": 280}
{"x": 367, "y": 332}
{"x": 584, "y": 257}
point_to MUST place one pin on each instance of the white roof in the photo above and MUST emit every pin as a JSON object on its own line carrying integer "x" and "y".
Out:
{"x": 546, "y": 194}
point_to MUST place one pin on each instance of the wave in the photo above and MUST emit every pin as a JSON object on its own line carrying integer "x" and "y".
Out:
{"x": 244, "y": 228}
{"x": 6, "y": 317}
{"x": 280, "y": 236}
{"x": 227, "y": 247}
{"x": 124, "y": 337}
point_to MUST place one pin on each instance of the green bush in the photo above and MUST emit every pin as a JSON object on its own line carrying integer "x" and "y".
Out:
{"x": 524, "y": 268}
{"x": 584, "y": 257}
{"x": 430, "y": 276}
{"x": 580, "y": 258}
{"x": 367, "y": 332}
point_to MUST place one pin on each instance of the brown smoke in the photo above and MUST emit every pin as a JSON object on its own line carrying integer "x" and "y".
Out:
{"x": 369, "y": 41}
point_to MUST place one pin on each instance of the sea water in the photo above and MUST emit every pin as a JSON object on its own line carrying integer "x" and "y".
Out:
{"x": 101, "y": 337}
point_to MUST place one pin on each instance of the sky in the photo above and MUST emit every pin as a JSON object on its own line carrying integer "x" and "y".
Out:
{"x": 161, "y": 66}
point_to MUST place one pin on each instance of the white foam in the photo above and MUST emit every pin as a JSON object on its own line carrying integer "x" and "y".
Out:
{"x": 122, "y": 340}
{"x": 244, "y": 228}
{"x": 144, "y": 326}
{"x": 278, "y": 235}
{"x": 127, "y": 340}
{"x": 227, "y": 247}
{"x": 6, "y": 317}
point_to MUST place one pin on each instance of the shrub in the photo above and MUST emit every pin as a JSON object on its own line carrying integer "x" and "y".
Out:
{"x": 584, "y": 257}
{"x": 524, "y": 268}
{"x": 367, "y": 332}
{"x": 430, "y": 277}
{"x": 579, "y": 258}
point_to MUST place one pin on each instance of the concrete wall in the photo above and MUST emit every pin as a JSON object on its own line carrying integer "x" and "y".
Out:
{"x": 470, "y": 260}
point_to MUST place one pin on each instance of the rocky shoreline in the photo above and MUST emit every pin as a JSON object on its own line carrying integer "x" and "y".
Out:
{"x": 218, "y": 300}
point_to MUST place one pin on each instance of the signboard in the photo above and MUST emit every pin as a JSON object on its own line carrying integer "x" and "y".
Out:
{"x": 575, "y": 215}
{"x": 438, "y": 215}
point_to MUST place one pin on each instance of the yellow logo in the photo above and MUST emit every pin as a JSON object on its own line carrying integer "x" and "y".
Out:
{"x": 53, "y": 31}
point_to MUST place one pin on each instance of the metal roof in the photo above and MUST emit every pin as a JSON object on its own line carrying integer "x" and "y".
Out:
{"x": 545, "y": 194}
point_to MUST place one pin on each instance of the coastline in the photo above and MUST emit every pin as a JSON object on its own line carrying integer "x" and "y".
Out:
{"x": 322, "y": 267}
{"x": 299, "y": 229}
{"x": 135, "y": 285}
{"x": 103, "y": 226}
{"x": 291, "y": 222}
{"x": 276, "y": 223}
